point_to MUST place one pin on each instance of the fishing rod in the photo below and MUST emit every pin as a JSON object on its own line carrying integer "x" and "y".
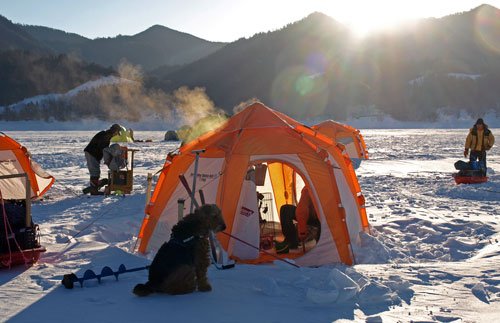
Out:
{"x": 260, "y": 249}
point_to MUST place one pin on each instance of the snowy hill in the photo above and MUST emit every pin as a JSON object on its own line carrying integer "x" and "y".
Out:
{"x": 87, "y": 86}
{"x": 435, "y": 246}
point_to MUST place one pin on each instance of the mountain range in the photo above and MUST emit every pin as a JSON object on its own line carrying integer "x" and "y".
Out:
{"x": 312, "y": 67}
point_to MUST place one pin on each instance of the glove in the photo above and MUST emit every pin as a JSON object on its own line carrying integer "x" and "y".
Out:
{"x": 466, "y": 152}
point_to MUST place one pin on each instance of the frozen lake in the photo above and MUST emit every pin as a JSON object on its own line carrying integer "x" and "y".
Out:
{"x": 436, "y": 244}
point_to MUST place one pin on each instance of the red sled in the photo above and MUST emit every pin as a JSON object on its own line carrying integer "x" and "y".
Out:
{"x": 460, "y": 179}
{"x": 24, "y": 257}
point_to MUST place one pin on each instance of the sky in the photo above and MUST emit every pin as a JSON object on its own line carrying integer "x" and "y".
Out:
{"x": 220, "y": 20}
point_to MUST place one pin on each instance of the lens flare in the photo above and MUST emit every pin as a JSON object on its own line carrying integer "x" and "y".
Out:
{"x": 303, "y": 94}
{"x": 316, "y": 63}
{"x": 488, "y": 28}
{"x": 304, "y": 85}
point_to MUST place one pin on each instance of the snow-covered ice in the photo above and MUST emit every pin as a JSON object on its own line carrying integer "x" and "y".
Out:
{"x": 434, "y": 252}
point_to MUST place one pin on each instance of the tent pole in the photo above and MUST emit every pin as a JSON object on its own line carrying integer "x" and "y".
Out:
{"x": 195, "y": 175}
{"x": 180, "y": 209}
{"x": 28, "y": 201}
{"x": 148, "y": 188}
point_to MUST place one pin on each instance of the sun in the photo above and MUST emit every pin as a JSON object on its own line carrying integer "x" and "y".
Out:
{"x": 365, "y": 17}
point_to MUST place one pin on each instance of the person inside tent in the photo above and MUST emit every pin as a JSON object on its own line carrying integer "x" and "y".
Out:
{"x": 308, "y": 225}
{"x": 479, "y": 140}
{"x": 94, "y": 154}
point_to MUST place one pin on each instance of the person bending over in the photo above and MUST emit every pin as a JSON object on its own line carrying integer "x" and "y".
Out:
{"x": 94, "y": 153}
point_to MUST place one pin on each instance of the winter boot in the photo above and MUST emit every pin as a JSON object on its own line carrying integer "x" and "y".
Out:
{"x": 281, "y": 247}
{"x": 94, "y": 186}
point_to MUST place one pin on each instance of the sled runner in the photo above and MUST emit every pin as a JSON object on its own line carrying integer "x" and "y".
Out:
{"x": 469, "y": 177}
{"x": 469, "y": 173}
{"x": 29, "y": 256}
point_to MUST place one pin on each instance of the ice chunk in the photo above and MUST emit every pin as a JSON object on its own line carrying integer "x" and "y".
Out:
{"x": 480, "y": 292}
{"x": 322, "y": 296}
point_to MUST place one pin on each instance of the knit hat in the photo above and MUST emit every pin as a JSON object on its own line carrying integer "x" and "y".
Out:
{"x": 479, "y": 121}
{"x": 115, "y": 128}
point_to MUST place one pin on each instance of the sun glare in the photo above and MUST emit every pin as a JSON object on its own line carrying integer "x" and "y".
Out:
{"x": 366, "y": 17}
{"x": 368, "y": 25}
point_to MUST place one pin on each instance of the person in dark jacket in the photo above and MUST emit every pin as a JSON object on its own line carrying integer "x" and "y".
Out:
{"x": 479, "y": 140}
{"x": 308, "y": 224}
{"x": 94, "y": 153}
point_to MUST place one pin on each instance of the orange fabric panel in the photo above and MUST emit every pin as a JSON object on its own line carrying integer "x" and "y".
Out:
{"x": 260, "y": 142}
{"x": 352, "y": 181}
{"x": 323, "y": 183}
{"x": 159, "y": 184}
{"x": 23, "y": 157}
{"x": 268, "y": 258}
{"x": 47, "y": 187}
{"x": 337, "y": 130}
{"x": 165, "y": 189}
{"x": 282, "y": 180}
{"x": 364, "y": 218}
{"x": 228, "y": 193}
{"x": 144, "y": 225}
{"x": 302, "y": 213}
{"x": 7, "y": 143}
{"x": 361, "y": 140}
{"x": 257, "y": 116}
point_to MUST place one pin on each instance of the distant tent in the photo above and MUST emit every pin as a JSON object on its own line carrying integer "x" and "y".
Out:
{"x": 171, "y": 135}
{"x": 257, "y": 136}
{"x": 349, "y": 136}
{"x": 15, "y": 159}
{"x": 123, "y": 136}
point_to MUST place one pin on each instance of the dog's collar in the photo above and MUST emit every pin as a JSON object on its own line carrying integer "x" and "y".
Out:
{"x": 187, "y": 241}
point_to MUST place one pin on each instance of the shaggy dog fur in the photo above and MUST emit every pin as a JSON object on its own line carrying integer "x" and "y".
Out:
{"x": 180, "y": 266}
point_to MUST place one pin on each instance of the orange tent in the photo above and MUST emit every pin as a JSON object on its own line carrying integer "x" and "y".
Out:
{"x": 349, "y": 136}
{"x": 15, "y": 159}
{"x": 259, "y": 135}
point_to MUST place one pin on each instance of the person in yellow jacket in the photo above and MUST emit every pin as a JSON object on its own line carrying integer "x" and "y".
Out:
{"x": 479, "y": 140}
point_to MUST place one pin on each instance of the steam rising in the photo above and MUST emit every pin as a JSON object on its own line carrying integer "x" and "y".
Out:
{"x": 197, "y": 112}
{"x": 123, "y": 99}
{"x": 129, "y": 100}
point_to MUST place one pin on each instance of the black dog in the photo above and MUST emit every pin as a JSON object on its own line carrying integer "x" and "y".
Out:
{"x": 181, "y": 263}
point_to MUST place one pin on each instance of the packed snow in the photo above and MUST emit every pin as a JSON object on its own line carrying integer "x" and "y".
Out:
{"x": 433, "y": 255}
